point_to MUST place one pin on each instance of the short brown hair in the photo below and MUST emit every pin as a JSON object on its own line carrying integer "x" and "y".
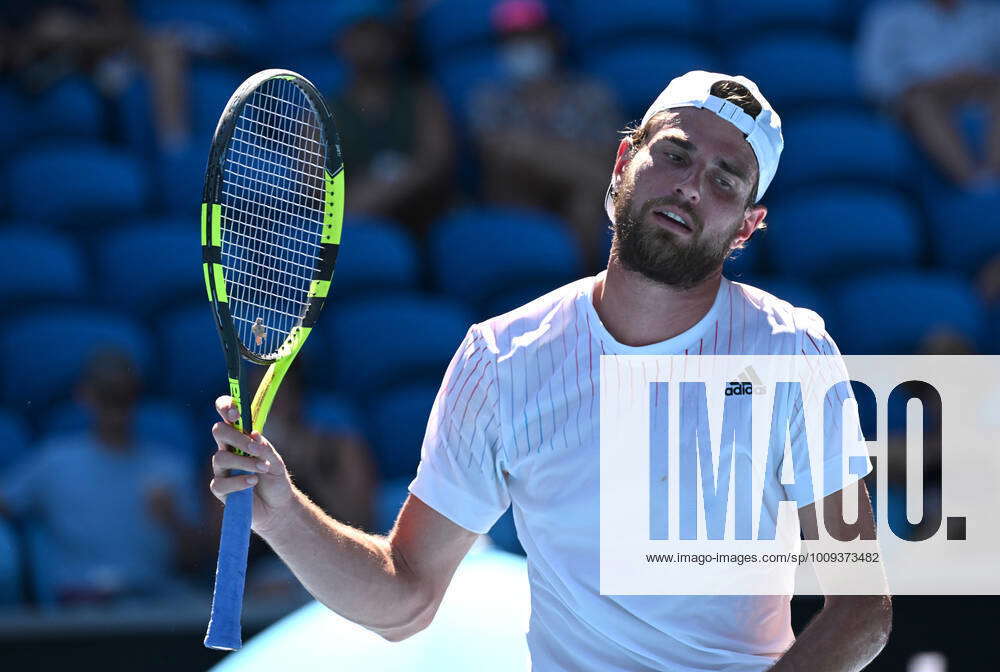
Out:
{"x": 727, "y": 89}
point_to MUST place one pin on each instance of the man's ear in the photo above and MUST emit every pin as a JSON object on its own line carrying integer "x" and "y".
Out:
{"x": 752, "y": 221}
{"x": 623, "y": 156}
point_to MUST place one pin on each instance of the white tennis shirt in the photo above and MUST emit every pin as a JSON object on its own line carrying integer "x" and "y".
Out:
{"x": 516, "y": 423}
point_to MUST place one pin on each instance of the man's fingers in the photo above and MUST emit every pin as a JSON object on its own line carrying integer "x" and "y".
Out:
{"x": 227, "y": 409}
{"x": 223, "y": 485}
{"x": 223, "y": 460}
{"x": 227, "y": 436}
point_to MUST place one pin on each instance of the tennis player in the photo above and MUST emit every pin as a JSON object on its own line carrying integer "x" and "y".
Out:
{"x": 516, "y": 421}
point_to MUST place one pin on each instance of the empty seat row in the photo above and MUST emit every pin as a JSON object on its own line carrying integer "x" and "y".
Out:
{"x": 371, "y": 344}
{"x": 451, "y": 28}
{"x": 491, "y": 258}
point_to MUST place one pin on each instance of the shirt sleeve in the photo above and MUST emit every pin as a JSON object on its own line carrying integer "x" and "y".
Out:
{"x": 843, "y": 452}
{"x": 461, "y": 473}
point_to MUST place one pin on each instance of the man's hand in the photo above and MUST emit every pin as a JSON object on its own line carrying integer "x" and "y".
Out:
{"x": 850, "y": 630}
{"x": 273, "y": 490}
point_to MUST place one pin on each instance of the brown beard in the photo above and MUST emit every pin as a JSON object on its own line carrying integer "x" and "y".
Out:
{"x": 663, "y": 256}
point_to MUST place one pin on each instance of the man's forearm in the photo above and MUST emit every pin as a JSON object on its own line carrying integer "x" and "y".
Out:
{"x": 353, "y": 573}
{"x": 845, "y": 636}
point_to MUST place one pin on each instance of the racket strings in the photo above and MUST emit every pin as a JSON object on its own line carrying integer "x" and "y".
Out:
{"x": 250, "y": 133}
{"x": 271, "y": 227}
{"x": 267, "y": 172}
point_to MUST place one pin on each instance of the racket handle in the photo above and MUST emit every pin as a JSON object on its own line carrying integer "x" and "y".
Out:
{"x": 230, "y": 573}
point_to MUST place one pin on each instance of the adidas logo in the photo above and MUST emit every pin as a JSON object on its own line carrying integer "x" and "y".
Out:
{"x": 748, "y": 382}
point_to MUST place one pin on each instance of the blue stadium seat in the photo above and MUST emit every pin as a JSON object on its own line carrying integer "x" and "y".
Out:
{"x": 210, "y": 90}
{"x": 135, "y": 118}
{"x": 331, "y": 413}
{"x": 311, "y": 26}
{"x": 376, "y": 255}
{"x": 17, "y": 118}
{"x": 397, "y": 419}
{"x": 39, "y": 266}
{"x": 594, "y": 25}
{"x": 745, "y": 265}
{"x": 70, "y": 109}
{"x": 389, "y": 498}
{"x": 390, "y": 339}
{"x": 504, "y": 534}
{"x": 507, "y": 300}
{"x": 638, "y": 71}
{"x": 890, "y": 313}
{"x": 48, "y": 350}
{"x": 755, "y": 15}
{"x": 799, "y": 294}
{"x": 218, "y": 26}
{"x": 152, "y": 263}
{"x": 823, "y": 146}
{"x": 963, "y": 229}
{"x": 773, "y": 62}
{"x": 168, "y": 423}
{"x": 210, "y": 87}
{"x": 14, "y": 439}
{"x": 826, "y": 233}
{"x": 450, "y": 26}
{"x": 11, "y": 555}
{"x": 480, "y": 252}
{"x": 195, "y": 368}
{"x": 180, "y": 179}
{"x": 75, "y": 185}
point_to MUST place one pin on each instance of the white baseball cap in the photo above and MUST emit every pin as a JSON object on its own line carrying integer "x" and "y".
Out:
{"x": 763, "y": 132}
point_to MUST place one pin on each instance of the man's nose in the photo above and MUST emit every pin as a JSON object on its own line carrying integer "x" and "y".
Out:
{"x": 688, "y": 188}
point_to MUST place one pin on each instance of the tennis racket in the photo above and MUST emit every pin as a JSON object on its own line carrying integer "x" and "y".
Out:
{"x": 270, "y": 231}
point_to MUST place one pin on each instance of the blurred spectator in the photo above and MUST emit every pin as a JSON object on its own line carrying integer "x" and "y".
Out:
{"x": 924, "y": 60}
{"x": 110, "y": 515}
{"x": 989, "y": 282}
{"x": 396, "y": 134}
{"x": 334, "y": 468}
{"x": 545, "y": 136}
{"x": 43, "y": 42}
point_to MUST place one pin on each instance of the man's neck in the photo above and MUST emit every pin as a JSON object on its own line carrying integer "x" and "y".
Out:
{"x": 637, "y": 311}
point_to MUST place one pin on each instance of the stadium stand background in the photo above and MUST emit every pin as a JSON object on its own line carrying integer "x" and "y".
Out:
{"x": 861, "y": 229}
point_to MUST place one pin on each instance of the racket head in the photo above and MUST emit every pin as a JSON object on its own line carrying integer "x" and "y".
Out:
{"x": 270, "y": 229}
{"x": 272, "y": 213}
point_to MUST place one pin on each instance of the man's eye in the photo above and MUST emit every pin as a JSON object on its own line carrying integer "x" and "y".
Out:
{"x": 723, "y": 182}
{"x": 676, "y": 158}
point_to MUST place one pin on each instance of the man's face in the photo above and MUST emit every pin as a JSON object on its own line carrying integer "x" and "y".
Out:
{"x": 695, "y": 166}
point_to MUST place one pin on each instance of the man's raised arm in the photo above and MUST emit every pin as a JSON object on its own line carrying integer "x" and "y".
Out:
{"x": 391, "y": 585}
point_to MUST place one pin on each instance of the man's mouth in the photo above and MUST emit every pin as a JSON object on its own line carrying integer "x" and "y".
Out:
{"x": 673, "y": 220}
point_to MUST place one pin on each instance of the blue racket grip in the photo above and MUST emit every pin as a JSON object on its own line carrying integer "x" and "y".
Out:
{"x": 230, "y": 572}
